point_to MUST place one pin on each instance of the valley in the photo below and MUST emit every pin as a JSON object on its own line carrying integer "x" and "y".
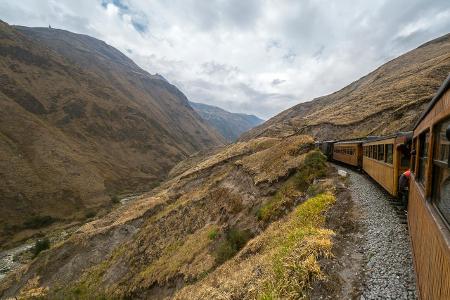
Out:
{"x": 116, "y": 186}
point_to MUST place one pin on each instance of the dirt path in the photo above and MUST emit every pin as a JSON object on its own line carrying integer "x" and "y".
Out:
{"x": 387, "y": 266}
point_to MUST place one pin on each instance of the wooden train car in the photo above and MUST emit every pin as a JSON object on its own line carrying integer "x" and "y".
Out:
{"x": 386, "y": 158}
{"x": 348, "y": 152}
{"x": 326, "y": 147}
{"x": 429, "y": 198}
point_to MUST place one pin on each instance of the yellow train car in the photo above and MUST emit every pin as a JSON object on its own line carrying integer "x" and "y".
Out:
{"x": 348, "y": 152}
{"x": 429, "y": 198}
{"x": 386, "y": 158}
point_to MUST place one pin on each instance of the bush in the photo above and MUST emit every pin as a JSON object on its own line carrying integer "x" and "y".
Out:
{"x": 314, "y": 166}
{"x": 234, "y": 241}
{"x": 212, "y": 235}
{"x": 38, "y": 222}
{"x": 115, "y": 199}
{"x": 314, "y": 190}
{"x": 40, "y": 245}
{"x": 90, "y": 214}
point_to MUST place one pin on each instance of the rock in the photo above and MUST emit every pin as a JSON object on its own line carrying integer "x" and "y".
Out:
{"x": 342, "y": 173}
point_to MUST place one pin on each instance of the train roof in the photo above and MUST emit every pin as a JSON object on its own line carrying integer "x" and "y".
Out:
{"x": 385, "y": 137}
{"x": 443, "y": 88}
{"x": 350, "y": 142}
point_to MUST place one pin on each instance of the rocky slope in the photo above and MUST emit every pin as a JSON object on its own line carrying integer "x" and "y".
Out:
{"x": 387, "y": 100}
{"x": 230, "y": 125}
{"x": 79, "y": 122}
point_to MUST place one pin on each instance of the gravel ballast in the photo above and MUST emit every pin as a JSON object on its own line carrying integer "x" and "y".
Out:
{"x": 388, "y": 265}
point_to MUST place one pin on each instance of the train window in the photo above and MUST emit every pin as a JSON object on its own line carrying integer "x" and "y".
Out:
{"x": 441, "y": 172}
{"x": 380, "y": 152}
{"x": 405, "y": 157}
{"x": 375, "y": 152}
{"x": 424, "y": 138}
{"x": 389, "y": 153}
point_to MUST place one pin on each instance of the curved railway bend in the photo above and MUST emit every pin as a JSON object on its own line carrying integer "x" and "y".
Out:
{"x": 387, "y": 265}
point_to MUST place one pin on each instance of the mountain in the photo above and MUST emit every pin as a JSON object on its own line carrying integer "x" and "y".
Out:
{"x": 80, "y": 122}
{"x": 388, "y": 99}
{"x": 188, "y": 231}
{"x": 264, "y": 218}
{"x": 230, "y": 125}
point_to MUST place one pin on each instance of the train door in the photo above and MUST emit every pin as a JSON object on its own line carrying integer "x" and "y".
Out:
{"x": 402, "y": 160}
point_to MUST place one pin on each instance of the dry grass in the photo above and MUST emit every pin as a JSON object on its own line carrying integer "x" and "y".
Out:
{"x": 313, "y": 166}
{"x": 295, "y": 259}
{"x": 232, "y": 151}
{"x": 188, "y": 258}
{"x": 278, "y": 160}
{"x": 280, "y": 263}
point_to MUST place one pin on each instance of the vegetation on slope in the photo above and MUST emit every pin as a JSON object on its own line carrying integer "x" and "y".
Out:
{"x": 182, "y": 233}
{"x": 280, "y": 263}
{"x": 296, "y": 252}
{"x": 314, "y": 166}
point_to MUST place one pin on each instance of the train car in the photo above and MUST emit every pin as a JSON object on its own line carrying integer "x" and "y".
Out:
{"x": 386, "y": 158}
{"x": 348, "y": 152}
{"x": 429, "y": 198}
{"x": 326, "y": 147}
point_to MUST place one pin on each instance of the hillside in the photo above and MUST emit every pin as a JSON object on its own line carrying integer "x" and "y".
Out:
{"x": 386, "y": 100}
{"x": 230, "y": 125}
{"x": 79, "y": 123}
{"x": 176, "y": 240}
{"x": 265, "y": 217}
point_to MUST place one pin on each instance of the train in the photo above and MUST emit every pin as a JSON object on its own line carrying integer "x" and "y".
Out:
{"x": 425, "y": 152}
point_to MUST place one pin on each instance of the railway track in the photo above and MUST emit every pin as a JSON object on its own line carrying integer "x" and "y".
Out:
{"x": 387, "y": 271}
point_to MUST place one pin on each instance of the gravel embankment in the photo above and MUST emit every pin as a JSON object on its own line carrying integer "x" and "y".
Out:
{"x": 388, "y": 265}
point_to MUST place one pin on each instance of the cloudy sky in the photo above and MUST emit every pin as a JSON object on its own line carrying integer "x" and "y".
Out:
{"x": 250, "y": 56}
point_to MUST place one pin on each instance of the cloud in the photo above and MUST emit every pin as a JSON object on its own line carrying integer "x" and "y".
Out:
{"x": 248, "y": 56}
{"x": 277, "y": 81}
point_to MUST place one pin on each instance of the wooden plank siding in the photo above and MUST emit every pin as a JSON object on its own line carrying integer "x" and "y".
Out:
{"x": 430, "y": 247}
{"x": 381, "y": 172}
{"x": 430, "y": 235}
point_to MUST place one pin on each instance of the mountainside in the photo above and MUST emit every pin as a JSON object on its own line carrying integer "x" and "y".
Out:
{"x": 230, "y": 125}
{"x": 193, "y": 230}
{"x": 387, "y": 100}
{"x": 264, "y": 218}
{"x": 79, "y": 122}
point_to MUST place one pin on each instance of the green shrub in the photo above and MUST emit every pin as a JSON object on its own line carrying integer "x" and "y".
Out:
{"x": 38, "y": 222}
{"x": 40, "y": 245}
{"x": 314, "y": 189}
{"x": 314, "y": 166}
{"x": 212, "y": 235}
{"x": 234, "y": 241}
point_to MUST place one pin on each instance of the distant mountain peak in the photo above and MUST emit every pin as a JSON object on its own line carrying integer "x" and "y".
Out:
{"x": 230, "y": 125}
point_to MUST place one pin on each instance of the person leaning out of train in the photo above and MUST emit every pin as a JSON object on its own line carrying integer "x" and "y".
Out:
{"x": 403, "y": 186}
